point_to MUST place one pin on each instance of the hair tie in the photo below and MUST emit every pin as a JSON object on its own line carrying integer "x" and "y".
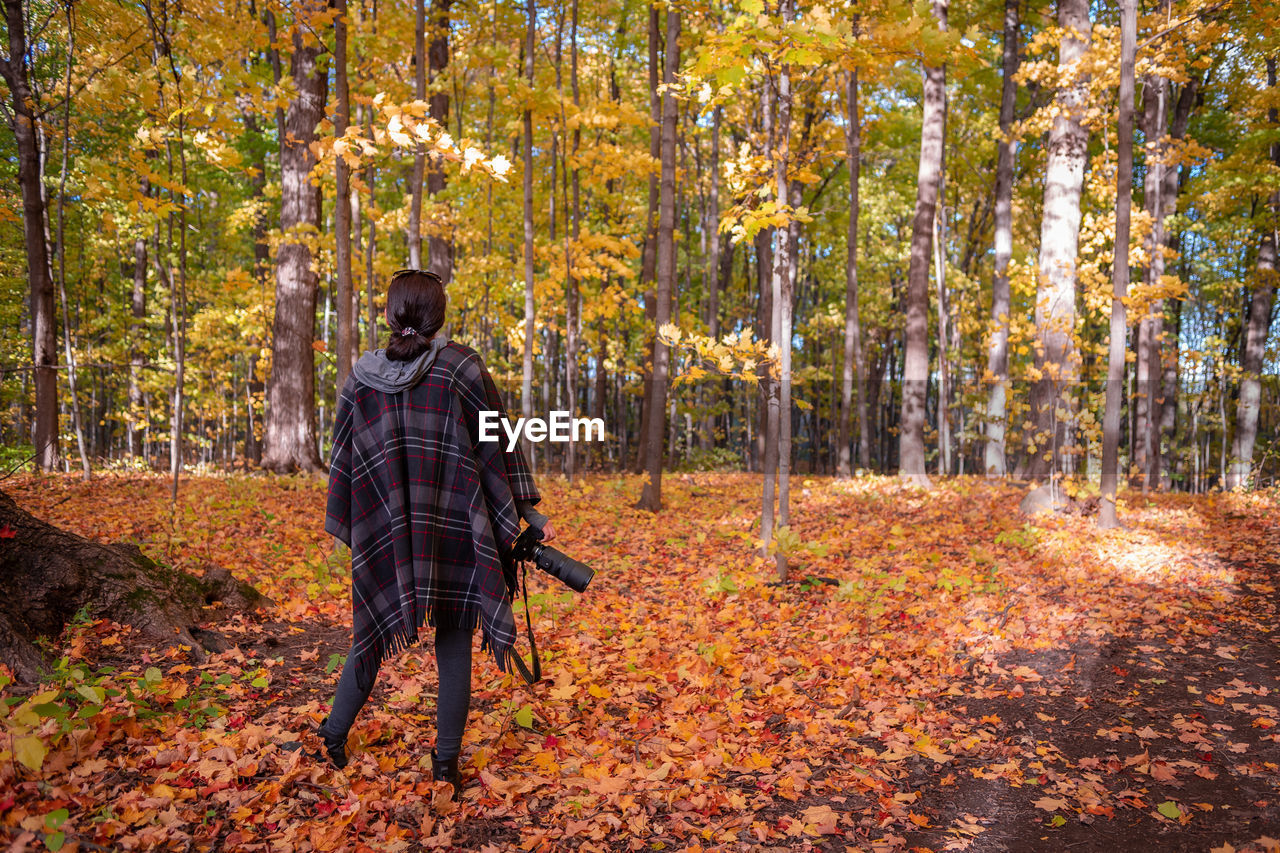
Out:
{"x": 408, "y": 330}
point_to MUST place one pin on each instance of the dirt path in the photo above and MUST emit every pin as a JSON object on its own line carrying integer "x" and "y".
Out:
{"x": 1162, "y": 739}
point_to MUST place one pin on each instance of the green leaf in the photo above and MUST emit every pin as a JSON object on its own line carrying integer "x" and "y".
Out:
{"x": 1057, "y": 820}
{"x": 524, "y": 717}
{"x": 55, "y": 840}
{"x": 1169, "y": 809}
{"x": 56, "y": 818}
{"x": 335, "y": 661}
{"x": 260, "y": 681}
{"x": 153, "y": 675}
{"x": 96, "y": 695}
{"x": 30, "y": 751}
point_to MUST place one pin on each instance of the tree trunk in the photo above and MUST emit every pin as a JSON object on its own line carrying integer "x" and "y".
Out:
{"x": 1257, "y": 329}
{"x": 649, "y": 252}
{"x": 439, "y": 242}
{"x": 707, "y": 434}
{"x": 998, "y": 345}
{"x": 1151, "y": 326}
{"x": 44, "y": 356}
{"x": 651, "y": 496}
{"x": 346, "y": 351}
{"x": 572, "y": 318}
{"x": 1119, "y": 267}
{"x": 47, "y": 575}
{"x": 784, "y": 265}
{"x": 1056, "y": 357}
{"x": 62, "y": 256}
{"x": 417, "y": 182}
{"x": 854, "y": 376}
{"x": 291, "y": 403}
{"x": 915, "y": 377}
{"x": 138, "y": 315}
{"x": 526, "y": 379}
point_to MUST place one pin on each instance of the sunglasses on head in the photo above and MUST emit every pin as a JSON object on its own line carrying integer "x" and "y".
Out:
{"x": 411, "y": 271}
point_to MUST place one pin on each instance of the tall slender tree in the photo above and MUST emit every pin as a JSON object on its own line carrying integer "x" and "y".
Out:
{"x": 417, "y": 184}
{"x": 24, "y": 120}
{"x": 526, "y": 376}
{"x": 915, "y": 371}
{"x": 347, "y": 319}
{"x": 439, "y": 241}
{"x": 1257, "y": 329}
{"x": 1119, "y": 267}
{"x": 1056, "y": 358}
{"x": 854, "y": 375}
{"x": 651, "y": 495}
{"x": 998, "y": 343}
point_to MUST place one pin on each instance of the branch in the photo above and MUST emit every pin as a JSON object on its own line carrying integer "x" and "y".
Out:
{"x": 42, "y": 113}
{"x": 1167, "y": 30}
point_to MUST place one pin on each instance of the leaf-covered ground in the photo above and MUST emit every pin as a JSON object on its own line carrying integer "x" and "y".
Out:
{"x": 963, "y": 679}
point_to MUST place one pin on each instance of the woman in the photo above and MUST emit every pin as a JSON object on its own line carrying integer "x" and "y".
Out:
{"x": 429, "y": 512}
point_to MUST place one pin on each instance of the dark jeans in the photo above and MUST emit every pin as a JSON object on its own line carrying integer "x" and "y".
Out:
{"x": 453, "y": 660}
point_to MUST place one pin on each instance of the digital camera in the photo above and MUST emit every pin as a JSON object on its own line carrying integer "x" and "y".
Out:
{"x": 559, "y": 565}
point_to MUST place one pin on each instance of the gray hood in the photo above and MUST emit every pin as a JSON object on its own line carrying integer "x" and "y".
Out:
{"x": 391, "y": 377}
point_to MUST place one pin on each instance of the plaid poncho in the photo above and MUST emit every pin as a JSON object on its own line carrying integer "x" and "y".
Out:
{"x": 427, "y": 509}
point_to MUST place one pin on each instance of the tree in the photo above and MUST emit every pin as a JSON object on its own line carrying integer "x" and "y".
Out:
{"x": 1257, "y": 329}
{"x": 656, "y": 413}
{"x": 1056, "y": 359}
{"x": 439, "y": 244}
{"x": 291, "y": 432}
{"x": 526, "y": 376}
{"x": 998, "y": 344}
{"x": 1120, "y": 266}
{"x": 854, "y": 377}
{"x": 915, "y": 372}
{"x": 24, "y": 120}
{"x": 347, "y": 319}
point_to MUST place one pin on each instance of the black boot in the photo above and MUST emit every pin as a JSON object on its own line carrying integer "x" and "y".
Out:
{"x": 334, "y": 745}
{"x": 447, "y": 771}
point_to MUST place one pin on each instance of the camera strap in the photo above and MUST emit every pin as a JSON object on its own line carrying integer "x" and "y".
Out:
{"x": 535, "y": 675}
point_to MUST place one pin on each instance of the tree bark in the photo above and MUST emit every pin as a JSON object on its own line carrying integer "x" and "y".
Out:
{"x": 854, "y": 375}
{"x": 1151, "y": 326}
{"x": 86, "y": 471}
{"x": 572, "y": 314}
{"x": 651, "y": 496}
{"x": 418, "y": 181}
{"x": 346, "y": 350}
{"x": 137, "y": 316}
{"x": 47, "y": 575}
{"x": 707, "y": 435}
{"x": 1257, "y": 329}
{"x": 526, "y": 380}
{"x": 291, "y": 404}
{"x": 1119, "y": 267}
{"x": 915, "y": 377}
{"x": 649, "y": 252}
{"x": 1056, "y": 357}
{"x": 44, "y": 350}
{"x": 998, "y": 345}
{"x": 439, "y": 241}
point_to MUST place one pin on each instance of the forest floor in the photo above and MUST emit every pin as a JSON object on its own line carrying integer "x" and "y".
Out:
{"x": 945, "y": 674}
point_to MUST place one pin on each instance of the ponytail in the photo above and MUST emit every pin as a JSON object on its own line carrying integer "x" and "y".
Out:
{"x": 415, "y": 312}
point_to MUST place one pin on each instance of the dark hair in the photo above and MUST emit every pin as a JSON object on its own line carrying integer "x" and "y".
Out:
{"x": 415, "y": 304}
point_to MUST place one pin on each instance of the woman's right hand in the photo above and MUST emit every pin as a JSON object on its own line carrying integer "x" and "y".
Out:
{"x": 548, "y": 532}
